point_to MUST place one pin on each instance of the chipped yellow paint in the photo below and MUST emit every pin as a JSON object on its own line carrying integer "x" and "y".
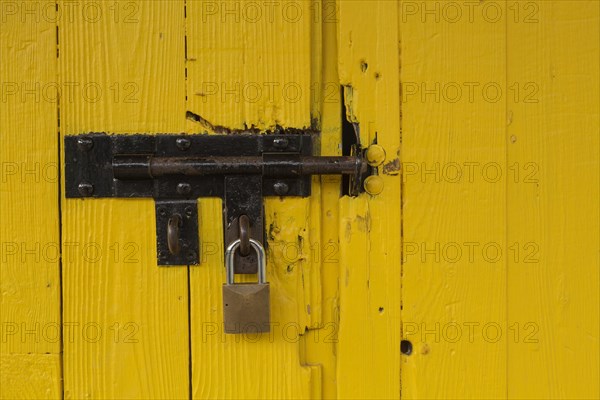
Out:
{"x": 246, "y": 73}
{"x": 368, "y": 350}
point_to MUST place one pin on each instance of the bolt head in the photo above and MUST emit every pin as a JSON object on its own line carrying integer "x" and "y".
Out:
{"x": 281, "y": 143}
{"x": 85, "y": 144}
{"x": 184, "y": 188}
{"x": 375, "y": 155}
{"x": 373, "y": 185}
{"x": 85, "y": 189}
{"x": 183, "y": 143}
{"x": 281, "y": 188}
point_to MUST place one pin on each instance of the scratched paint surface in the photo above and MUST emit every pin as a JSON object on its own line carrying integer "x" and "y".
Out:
{"x": 490, "y": 124}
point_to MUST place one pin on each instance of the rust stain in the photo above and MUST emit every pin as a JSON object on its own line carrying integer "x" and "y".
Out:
{"x": 392, "y": 167}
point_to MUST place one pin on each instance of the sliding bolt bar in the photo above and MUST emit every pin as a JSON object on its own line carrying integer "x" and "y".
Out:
{"x": 269, "y": 165}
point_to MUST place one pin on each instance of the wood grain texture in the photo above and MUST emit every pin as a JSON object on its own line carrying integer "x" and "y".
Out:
{"x": 368, "y": 350}
{"x": 30, "y": 376}
{"x": 247, "y": 365}
{"x": 553, "y": 201}
{"x": 454, "y": 220}
{"x": 129, "y": 316}
{"x": 254, "y": 71}
{"x": 321, "y": 344}
{"x": 29, "y": 228}
{"x": 249, "y": 64}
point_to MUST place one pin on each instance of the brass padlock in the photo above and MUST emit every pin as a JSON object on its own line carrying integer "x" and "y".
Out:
{"x": 246, "y": 307}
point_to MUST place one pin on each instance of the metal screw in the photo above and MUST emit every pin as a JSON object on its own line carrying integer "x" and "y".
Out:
{"x": 162, "y": 212}
{"x": 86, "y": 189}
{"x": 281, "y": 188}
{"x": 161, "y": 254}
{"x": 184, "y": 188}
{"x": 85, "y": 144}
{"x": 183, "y": 143}
{"x": 188, "y": 211}
{"x": 373, "y": 185}
{"x": 375, "y": 155}
{"x": 281, "y": 143}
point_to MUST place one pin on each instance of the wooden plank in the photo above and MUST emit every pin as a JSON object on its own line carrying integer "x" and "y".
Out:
{"x": 368, "y": 349}
{"x": 321, "y": 344}
{"x": 553, "y": 199}
{"x": 249, "y": 66}
{"x": 454, "y": 180}
{"x": 247, "y": 365}
{"x": 29, "y": 230}
{"x": 125, "y": 63}
{"x": 30, "y": 376}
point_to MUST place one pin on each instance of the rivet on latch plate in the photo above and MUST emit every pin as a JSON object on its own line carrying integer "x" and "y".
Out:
{"x": 183, "y": 143}
{"x": 86, "y": 189}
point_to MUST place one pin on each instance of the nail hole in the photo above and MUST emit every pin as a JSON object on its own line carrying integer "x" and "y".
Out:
{"x": 406, "y": 347}
{"x": 364, "y": 66}
{"x": 377, "y": 75}
{"x": 380, "y": 310}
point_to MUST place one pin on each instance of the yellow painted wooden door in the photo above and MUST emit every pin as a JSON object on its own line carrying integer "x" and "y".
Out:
{"x": 488, "y": 114}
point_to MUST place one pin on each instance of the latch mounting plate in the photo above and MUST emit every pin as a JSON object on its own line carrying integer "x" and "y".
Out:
{"x": 176, "y": 170}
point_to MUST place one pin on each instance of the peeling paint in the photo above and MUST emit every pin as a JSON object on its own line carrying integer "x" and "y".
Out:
{"x": 392, "y": 167}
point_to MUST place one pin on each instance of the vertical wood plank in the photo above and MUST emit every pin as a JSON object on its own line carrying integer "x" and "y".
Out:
{"x": 368, "y": 350}
{"x": 249, "y": 67}
{"x": 30, "y": 376}
{"x": 321, "y": 344}
{"x": 454, "y": 180}
{"x": 249, "y": 64}
{"x": 29, "y": 229}
{"x": 125, "y": 63}
{"x": 553, "y": 199}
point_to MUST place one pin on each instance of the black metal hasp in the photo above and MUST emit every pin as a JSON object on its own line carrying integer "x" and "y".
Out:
{"x": 176, "y": 170}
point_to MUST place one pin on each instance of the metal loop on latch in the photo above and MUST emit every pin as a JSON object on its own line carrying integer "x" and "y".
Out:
{"x": 173, "y": 233}
{"x": 244, "y": 227}
{"x": 260, "y": 253}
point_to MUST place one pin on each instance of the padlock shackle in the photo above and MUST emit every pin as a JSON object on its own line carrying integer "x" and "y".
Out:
{"x": 230, "y": 257}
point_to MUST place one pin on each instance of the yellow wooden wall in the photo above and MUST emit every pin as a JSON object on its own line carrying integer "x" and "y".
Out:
{"x": 488, "y": 113}
{"x": 500, "y": 148}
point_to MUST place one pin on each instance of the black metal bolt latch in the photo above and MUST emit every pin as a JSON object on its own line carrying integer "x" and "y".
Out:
{"x": 176, "y": 170}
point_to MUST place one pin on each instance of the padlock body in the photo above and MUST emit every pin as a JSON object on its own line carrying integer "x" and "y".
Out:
{"x": 246, "y": 308}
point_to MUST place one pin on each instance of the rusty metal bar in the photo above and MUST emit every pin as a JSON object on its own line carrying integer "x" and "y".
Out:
{"x": 269, "y": 165}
